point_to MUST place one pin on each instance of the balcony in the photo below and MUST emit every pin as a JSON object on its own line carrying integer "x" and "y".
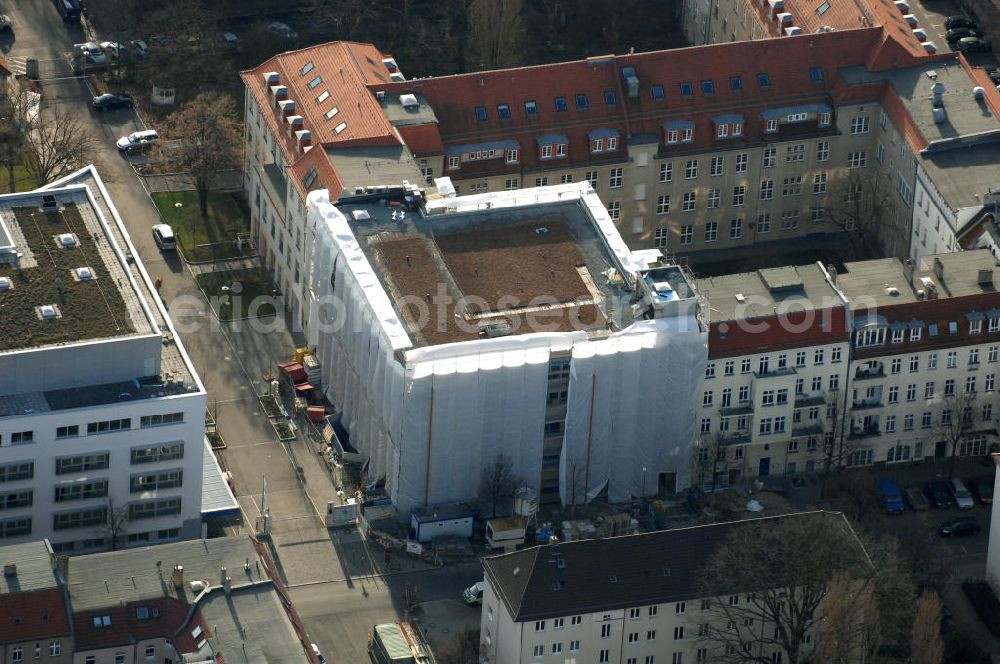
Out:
{"x": 813, "y": 398}
{"x": 862, "y": 404}
{"x": 870, "y": 372}
{"x": 810, "y": 428}
{"x": 741, "y": 408}
{"x": 774, "y": 373}
{"x": 738, "y": 437}
{"x": 865, "y": 432}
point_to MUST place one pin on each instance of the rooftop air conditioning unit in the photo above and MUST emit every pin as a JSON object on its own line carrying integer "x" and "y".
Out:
{"x": 409, "y": 101}
{"x": 84, "y": 273}
{"x": 67, "y": 240}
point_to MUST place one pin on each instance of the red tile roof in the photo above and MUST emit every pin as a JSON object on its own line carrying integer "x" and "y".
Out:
{"x": 171, "y": 622}
{"x": 772, "y": 333}
{"x": 788, "y": 63}
{"x": 33, "y": 615}
{"x": 88, "y": 637}
{"x": 423, "y": 140}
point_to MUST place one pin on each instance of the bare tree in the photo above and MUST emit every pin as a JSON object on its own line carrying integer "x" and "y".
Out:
{"x": 499, "y": 482}
{"x": 709, "y": 461}
{"x": 496, "y": 32}
{"x": 860, "y": 206}
{"x": 848, "y": 629}
{"x": 781, "y": 570}
{"x": 116, "y": 523}
{"x": 926, "y": 645}
{"x": 852, "y": 492}
{"x": 956, "y": 423}
{"x": 461, "y": 648}
{"x": 14, "y": 125}
{"x": 57, "y": 145}
{"x": 208, "y": 138}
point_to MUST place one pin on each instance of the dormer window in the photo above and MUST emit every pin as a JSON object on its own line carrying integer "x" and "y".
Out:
{"x": 561, "y": 150}
{"x": 561, "y": 106}
{"x": 612, "y": 143}
{"x": 453, "y": 163}
{"x": 707, "y": 87}
{"x": 503, "y": 111}
{"x": 797, "y": 117}
{"x": 672, "y": 136}
{"x": 603, "y": 140}
{"x": 722, "y": 131}
{"x": 687, "y": 90}
{"x": 597, "y": 145}
{"x": 513, "y": 156}
{"x": 816, "y": 74}
{"x": 771, "y": 127}
{"x": 657, "y": 92}
{"x": 687, "y": 135}
{"x": 823, "y": 119}
{"x": 582, "y": 103}
{"x": 480, "y": 114}
{"x": 530, "y": 108}
{"x": 737, "y": 129}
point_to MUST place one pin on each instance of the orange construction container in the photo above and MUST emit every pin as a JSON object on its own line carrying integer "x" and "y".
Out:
{"x": 301, "y": 353}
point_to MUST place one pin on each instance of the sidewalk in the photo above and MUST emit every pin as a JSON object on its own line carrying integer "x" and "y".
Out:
{"x": 224, "y": 181}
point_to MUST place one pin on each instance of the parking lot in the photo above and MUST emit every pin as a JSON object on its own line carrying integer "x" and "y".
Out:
{"x": 931, "y": 15}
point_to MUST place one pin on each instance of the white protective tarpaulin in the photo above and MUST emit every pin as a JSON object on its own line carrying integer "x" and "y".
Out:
{"x": 430, "y": 419}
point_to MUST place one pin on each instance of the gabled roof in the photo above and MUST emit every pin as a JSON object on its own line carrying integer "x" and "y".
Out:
{"x": 614, "y": 573}
{"x": 33, "y": 615}
{"x": 113, "y": 631}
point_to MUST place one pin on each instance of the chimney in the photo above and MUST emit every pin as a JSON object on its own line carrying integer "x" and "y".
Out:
{"x": 287, "y": 107}
{"x": 303, "y": 139}
{"x": 227, "y": 584}
{"x": 939, "y": 269}
{"x": 178, "y": 575}
{"x": 831, "y": 269}
{"x": 222, "y": 576}
{"x": 10, "y": 569}
{"x": 908, "y": 270}
{"x": 985, "y": 278}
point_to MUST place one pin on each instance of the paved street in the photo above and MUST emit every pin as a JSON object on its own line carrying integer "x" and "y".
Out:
{"x": 339, "y": 615}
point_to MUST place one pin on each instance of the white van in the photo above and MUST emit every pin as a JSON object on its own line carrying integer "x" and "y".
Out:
{"x": 163, "y": 236}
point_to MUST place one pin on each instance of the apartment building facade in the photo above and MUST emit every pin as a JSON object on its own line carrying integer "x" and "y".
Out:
{"x": 101, "y": 411}
{"x": 772, "y": 398}
{"x": 36, "y": 625}
{"x": 925, "y": 358}
{"x": 621, "y": 600}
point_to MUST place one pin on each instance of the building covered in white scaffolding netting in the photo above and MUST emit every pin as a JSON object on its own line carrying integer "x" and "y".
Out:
{"x": 517, "y": 325}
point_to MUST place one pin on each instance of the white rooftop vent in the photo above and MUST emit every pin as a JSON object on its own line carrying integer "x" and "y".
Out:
{"x": 930, "y": 47}
{"x": 978, "y": 92}
{"x": 67, "y": 240}
{"x": 892, "y": 290}
{"x": 792, "y": 31}
{"x": 397, "y": 76}
{"x": 48, "y": 312}
{"x": 783, "y": 18}
{"x": 84, "y": 273}
{"x": 409, "y": 101}
{"x": 911, "y": 20}
{"x": 5, "y": 284}
{"x": 360, "y": 215}
{"x": 741, "y": 298}
{"x": 902, "y": 6}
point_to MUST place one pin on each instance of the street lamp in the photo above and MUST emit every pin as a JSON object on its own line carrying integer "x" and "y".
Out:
{"x": 643, "y": 482}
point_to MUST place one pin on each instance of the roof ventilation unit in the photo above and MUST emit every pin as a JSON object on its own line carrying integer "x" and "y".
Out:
{"x": 776, "y": 5}
{"x": 628, "y": 73}
{"x": 409, "y": 101}
{"x": 48, "y": 312}
{"x": 397, "y": 77}
{"x": 67, "y": 240}
{"x": 793, "y": 30}
{"x": 902, "y": 6}
{"x": 360, "y": 215}
{"x": 5, "y": 284}
{"x": 493, "y": 330}
{"x": 978, "y": 92}
{"x": 940, "y": 116}
{"x": 84, "y": 273}
{"x": 783, "y": 18}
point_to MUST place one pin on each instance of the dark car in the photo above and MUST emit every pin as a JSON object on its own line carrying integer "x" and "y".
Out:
{"x": 109, "y": 101}
{"x": 937, "y": 494}
{"x": 961, "y": 33}
{"x": 981, "y": 488}
{"x": 953, "y": 22}
{"x": 994, "y": 76}
{"x": 973, "y": 45}
{"x": 960, "y": 527}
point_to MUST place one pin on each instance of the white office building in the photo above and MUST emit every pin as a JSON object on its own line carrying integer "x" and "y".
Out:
{"x": 101, "y": 411}
{"x": 518, "y": 323}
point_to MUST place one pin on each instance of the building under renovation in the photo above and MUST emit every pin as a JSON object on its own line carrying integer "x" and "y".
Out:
{"x": 455, "y": 330}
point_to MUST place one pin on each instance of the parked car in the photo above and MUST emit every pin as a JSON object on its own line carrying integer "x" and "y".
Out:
{"x": 163, "y": 236}
{"x": 137, "y": 140}
{"x": 319, "y": 655}
{"x": 112, "y": 49}
{"x": 958, "y": 22}
{"x": 474, "y": 593}
{"x": 282, "y": 30}
{"x": 953, "y": 36}
{"x": 960, "y": 494}
{"x": 229, "y": 38}
{"x": 890, "y": 496}
{"x": 108, "y": 101}
{"x": 5, "y": 23}
{"x": 915, "y": 500}
{"x": 994, "y": 76}
{"x": 960, "y": 527}
{"x": 973, "y": 45}
{"x": 937, "y": 494}
{"x": 982, "y": 489}
{"x": 92, "y": 52}
{"x": 139, "y": 48}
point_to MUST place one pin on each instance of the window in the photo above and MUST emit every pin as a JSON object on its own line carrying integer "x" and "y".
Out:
{"x": 763, "y": 80}
{"x": 915, "y": 333}
{"x": 666, "y": 172}
{"x": 687, "y": 89}
{"x": 722, "y": 131}
{"x": 769, "y": 157}
{"x": 691, "y": 169}
{"x": 158, "y": 420}
{"x": 81, "y": 490}
{"x": 17, "y": 654}
{"x": 714, "y": 197}
{"x": 657, "y": 92}
{"x": 890, "y": 423}
{"x": 711, "y": 231}
{"x": 792, "y": 186}
{"x": 952, "y": 359}
{"x": 822, "y": 150}
{"x": 539, "y": 625}
{"x": 914, "y": 363}
{"x": 615, "y": 209}
{"x": 741, "y": 162}
{"x": 97, "y": 516}
{"x": 651, "y": 611}
{"x": 539, "y": 651}
{"x": 739, "y": 195}
{"x": 22, "y": 437}
{"x": 615, "y": 178}
{"x": 167, "y": 452}
{"x": 452, "y": 163}
{"x": 150, "y": 652}
{"x": 717, "y": 166}
{"x": 633, "y": 637}
{"x": 949, "y": 387}
{"x": 710, "y": 370}
{"x": 819, "y": 183}
{"x": 561, "y": 106}
{"x": 154, "y": 508}
{"x": 503, "y": 111}
{"x": 582, "y": 103}
{"x": 766, "y": 190}
{"x": 530, "y": 107}
{"x": 911, "y": 392}
{"x": 663, "y": 204}
{"x": 771, "y": 126}
{"x": 873, "y": 336}
{"x": 591, "y": 177}
{"x": 970, "y": 384}
{"x": 835, "y": 355}
{"x": 686, "y": 235}
{"x": 816, "y": 74}
{"x": 120, "y": 658}
{"x": 79, "y": 464}
{"x": 735, "y": 83}
{"x": 688, "y": 203}
{"x": 973, "y": 356}
{"x": 605, "y": 631}
{"x": 857, "y": 159}
{"x": 513, "y": 156}
{"x": 510, "y": 184}
{"x": 610, "y": 98}
{"x": 989, "y": 383}
{"x": 735, "y": 229}
{"x": 764, "y": 223}
{"x": 576, "y": 620}
{"x": 859, "y": 125}
{"x": 70, "y": 431}
{"x": 541, "y": 182}
{"x": 897, "y": 365}
{"x": 172, "y": 479}
{"x": 795, "y": 153}
{"x": 481, "y": 114}
{"x": 707, "y": 87}
{"x": 604, "y": 656}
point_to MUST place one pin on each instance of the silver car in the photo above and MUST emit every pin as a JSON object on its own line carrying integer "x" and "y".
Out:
{"x": 961, "y": 494}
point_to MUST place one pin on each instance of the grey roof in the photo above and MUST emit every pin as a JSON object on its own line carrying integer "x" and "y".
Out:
{"x": 442, "y": 513}
{"x": 104, "y": 579}
{"x": 612, "y": 573}
{"x": 966, "y": 116}
{"x": 874, "y": 279}
{"x": 365, "y": 166}
{"x": 401, "y": 116}
{"x": 798, "y": 288}
{"x": 251, "y": 626}
{"x": 963, "y": 176}
{"x": 34, "y": 567}
{"x": 216, "y": 498}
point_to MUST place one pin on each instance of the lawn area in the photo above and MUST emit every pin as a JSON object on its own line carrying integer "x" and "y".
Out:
{"x": 249, "y": 293}
{"x": 205, "y": 239}
{"x": 21, "y": 181}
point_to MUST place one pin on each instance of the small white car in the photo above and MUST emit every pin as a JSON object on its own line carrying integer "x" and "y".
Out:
{"x": 319, "y": 655}
{"x": 93, "y": 53}
{"x": 282, "y": 30}
{"x": 137, "y": 140}
{"x": 163, "y": 236}
{"x": 961, "y": 494}
{"x": 230, "y": 38}
{"x": 112, "y": 49}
